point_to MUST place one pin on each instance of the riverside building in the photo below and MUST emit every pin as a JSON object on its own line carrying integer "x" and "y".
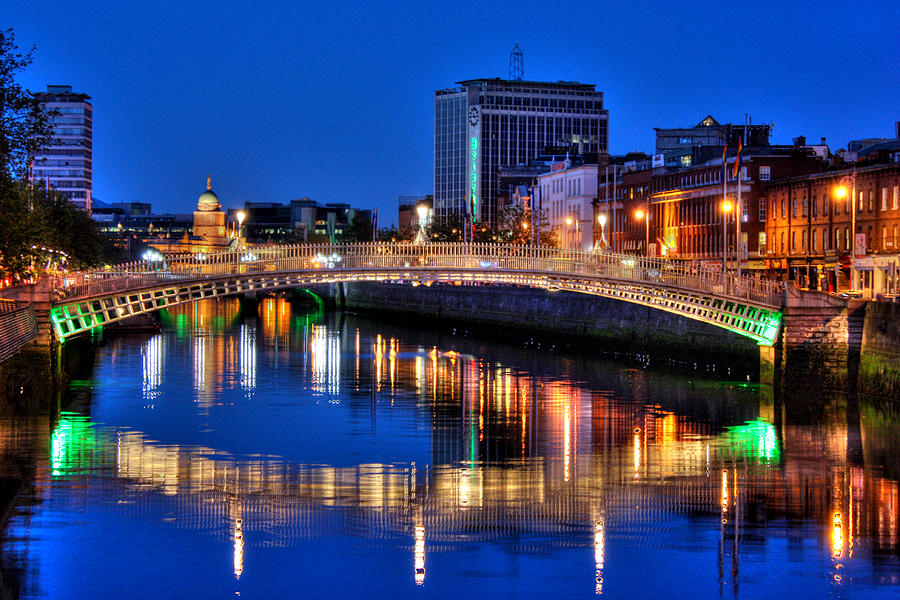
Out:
{"x": 486, "y": 124}
{"x": 66, "y": 164}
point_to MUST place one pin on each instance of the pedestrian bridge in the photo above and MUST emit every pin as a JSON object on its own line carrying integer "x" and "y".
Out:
{"x": 744, "y": 305}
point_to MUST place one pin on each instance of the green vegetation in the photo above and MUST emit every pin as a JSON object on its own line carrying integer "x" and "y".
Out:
{"x": 38, "y": 229}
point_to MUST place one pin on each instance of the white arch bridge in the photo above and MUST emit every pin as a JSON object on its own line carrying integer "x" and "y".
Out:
{"x": 744, "y": 305}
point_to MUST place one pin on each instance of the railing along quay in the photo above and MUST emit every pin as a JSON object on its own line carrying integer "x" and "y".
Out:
{"x": 18, "y": 326}
{"x": 436, "y": 257}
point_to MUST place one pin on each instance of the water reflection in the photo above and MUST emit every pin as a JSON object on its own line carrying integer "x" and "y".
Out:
{"x": 434, "y": 448}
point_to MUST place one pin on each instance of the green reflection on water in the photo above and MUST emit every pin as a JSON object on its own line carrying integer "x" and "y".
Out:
{"x": 755, "y": 440}
{"x": 74, "y": 444}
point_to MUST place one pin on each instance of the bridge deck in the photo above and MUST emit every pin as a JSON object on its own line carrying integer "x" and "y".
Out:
{"x": 745, "y": 305}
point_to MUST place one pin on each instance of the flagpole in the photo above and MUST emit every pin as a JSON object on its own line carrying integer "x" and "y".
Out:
{"x": 738, "y": 214}
{"x": 724, "y": 212}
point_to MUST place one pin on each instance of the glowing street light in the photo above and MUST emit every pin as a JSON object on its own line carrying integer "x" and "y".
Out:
{"x": 602, "y": 243}
{"x": 241, "y": 215}
{"x": 726, "y": 208}
{"x": 421, "y": 236}
{"x": 640, "y": 215}
{"x": 841, "y": 192}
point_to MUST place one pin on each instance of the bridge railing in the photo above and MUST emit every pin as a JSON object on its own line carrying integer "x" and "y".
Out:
{"x": 472, "y": 258}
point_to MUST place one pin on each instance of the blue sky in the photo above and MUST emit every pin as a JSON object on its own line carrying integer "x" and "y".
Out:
{"x": 280, "y": 100}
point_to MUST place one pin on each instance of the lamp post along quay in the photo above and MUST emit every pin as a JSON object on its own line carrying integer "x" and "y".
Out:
{"x": 841, "y": 192}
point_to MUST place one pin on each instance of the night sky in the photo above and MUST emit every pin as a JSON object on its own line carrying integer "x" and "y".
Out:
{"x": 280, "y": 100}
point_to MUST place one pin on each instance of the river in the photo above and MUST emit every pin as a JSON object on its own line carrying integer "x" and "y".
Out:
{"x": 310, "y": 454}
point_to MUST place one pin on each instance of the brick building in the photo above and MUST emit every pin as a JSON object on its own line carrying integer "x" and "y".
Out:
{"x": 809, "y": 229}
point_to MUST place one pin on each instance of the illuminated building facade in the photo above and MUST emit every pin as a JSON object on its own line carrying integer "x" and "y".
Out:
{"x": 809, "y": 229}
{"x": 567, "y": 193}
{"x": 685, "y": 206}
{"x": 486, "y": 124}
{"x": 66, "y": 165}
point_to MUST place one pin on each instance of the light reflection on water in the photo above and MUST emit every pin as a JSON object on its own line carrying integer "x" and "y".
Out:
{"x": 329, "y": 455}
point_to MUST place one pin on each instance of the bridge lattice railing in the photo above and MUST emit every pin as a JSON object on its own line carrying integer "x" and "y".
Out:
{"x": 397, "y": 257}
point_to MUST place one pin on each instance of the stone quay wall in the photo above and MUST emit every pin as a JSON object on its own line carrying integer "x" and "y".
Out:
{"x": 879, "y": 364}
{"x": 610, "y": 326}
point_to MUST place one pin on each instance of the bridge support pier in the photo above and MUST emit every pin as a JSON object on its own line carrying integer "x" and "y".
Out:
{"x": 769, "y": 364}
{"x": 249, "y": 304}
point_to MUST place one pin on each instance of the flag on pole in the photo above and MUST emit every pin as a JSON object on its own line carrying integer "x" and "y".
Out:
{"x": 737, "y": 162}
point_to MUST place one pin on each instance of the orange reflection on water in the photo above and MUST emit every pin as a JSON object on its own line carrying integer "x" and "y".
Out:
{"x": 419, "y": 555}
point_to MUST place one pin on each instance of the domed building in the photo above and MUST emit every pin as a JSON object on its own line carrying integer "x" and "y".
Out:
{"x": 208, "y": 234}
{"x": 209, "y": 219}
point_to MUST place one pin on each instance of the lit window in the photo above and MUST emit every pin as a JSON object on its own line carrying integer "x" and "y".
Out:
{"x": 884, "y": 198}
{"x": 765, "y": 173}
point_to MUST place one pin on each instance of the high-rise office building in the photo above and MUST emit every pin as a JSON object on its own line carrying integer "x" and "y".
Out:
{"x": 486, "y": 124}
{"x": 66, "y": 164}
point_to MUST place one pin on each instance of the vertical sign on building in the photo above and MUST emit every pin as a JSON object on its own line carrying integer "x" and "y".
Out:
{"x": 474, "y": 180}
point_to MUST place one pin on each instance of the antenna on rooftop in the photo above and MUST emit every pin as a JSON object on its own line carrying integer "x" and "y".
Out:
{"x": 516, "y": 64}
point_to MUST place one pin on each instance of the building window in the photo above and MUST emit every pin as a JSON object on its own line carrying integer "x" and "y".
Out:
{"x": 825, "y": 204}
{"x": 884, "y": 237}
{"x": 765, "y": 173}
{"x": 782, "y": 242}
{"x": 847, "y": 238}
{"x": 837, "y": 238}
{"x": 871, "y": 200}
{"x": 896, "y": 202}
{"x": 762, "y": 210}
{"x": 815, "y": 241}
{"x": 783, "y": 207}
{"x": 793, "y": 241}
{"x": 805, "y": 208}
{"x": 884, "y": 197}
{"x": 815, "y": 207}
{"x": 803, "y": 247}
{"x": 762, "y": 242}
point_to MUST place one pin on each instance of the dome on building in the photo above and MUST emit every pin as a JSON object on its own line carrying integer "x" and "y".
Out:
{"x": 208, "y": 201}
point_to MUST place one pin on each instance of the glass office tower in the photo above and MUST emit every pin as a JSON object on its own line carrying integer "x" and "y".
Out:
{"x": 67, "y": 164}
{"x": 490, "y": 123}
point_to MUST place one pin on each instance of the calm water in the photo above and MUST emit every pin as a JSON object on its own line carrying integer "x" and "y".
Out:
{"x": 325, "y": 455}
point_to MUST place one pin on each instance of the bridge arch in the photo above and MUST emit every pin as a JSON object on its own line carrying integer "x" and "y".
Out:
{"x": 742, "y": 305}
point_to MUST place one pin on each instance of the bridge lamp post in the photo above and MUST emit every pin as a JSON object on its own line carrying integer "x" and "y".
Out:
{"x": 601, "y": 219}
{"x": 640, "y": 215}
{"x": 241, "y": 215}
{"x": 841, "y": 192}
{"x": 421, "y": 236}
{"x": 726, "y": 208}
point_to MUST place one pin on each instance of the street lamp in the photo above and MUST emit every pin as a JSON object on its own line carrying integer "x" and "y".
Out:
{"x": 422, "y": 212}
{"x": 601, "y": 219}
{"x": 640, "y": 215}
{"x": 841, "y": 192}
{"x": 241, "y": 215}
{"x": 726, "y": 208}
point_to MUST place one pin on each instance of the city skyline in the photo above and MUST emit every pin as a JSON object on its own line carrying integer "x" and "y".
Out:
{"x": 180, "y": 91}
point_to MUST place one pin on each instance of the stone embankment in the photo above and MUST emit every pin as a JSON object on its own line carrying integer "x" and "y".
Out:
{"x": 608, "y": 326}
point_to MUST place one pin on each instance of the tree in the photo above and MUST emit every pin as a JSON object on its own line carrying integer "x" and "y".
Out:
{"x": 36, "y": 225}
{"x": 24, "y": 124}
{"x": 359, "y": 229}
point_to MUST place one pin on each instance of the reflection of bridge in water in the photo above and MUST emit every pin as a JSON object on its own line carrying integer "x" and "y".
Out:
{"x": 619, "y": 491}
{"x": 744, "y": 305}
